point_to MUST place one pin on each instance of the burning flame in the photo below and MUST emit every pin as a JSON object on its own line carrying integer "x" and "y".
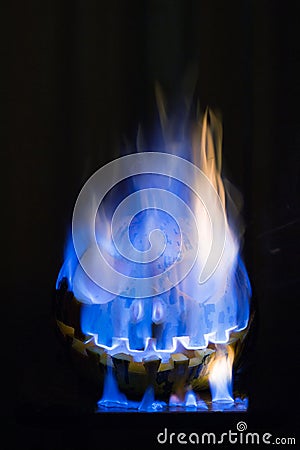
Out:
{"x": 189, "y": 314}
{"x": 220, "y": 374}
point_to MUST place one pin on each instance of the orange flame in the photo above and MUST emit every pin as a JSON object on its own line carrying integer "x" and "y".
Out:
{"x": 220, "y": 374}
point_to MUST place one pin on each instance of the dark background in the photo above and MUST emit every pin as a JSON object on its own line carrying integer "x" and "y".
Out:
{"x": 78, "y": 79}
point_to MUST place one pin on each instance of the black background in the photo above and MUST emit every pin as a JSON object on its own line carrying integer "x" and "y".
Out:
{"x": 78, "y": 79}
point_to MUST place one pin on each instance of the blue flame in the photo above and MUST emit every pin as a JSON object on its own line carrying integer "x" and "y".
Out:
{"x": 187, "y": 310}
{"x": 112, "y": 397}
{"x": 190, "y": 314}
{"x": 70, "y": 264}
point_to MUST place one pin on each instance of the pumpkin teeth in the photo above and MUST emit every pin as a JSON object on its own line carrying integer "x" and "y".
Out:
{"x": 180, "y": 371}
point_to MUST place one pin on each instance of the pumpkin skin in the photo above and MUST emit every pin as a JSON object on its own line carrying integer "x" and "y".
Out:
{"x": 184, "y": 368}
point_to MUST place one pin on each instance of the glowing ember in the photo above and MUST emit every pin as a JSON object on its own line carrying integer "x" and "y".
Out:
{"x": 154, "y": 266}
